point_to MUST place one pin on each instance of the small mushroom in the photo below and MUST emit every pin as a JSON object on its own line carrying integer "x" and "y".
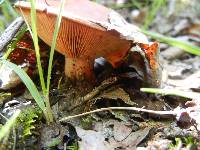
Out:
{"x": 81, "y": 40}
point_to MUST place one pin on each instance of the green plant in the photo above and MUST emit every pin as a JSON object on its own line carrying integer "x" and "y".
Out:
{"x": 41, "y": 100}
{"x": 33, "y": 31}
{"x": 4, "y": 95}
{"x": 29, "y": 84}
{"x": 12, "y": 45}
{"x": 183, "y": 45}
{"x": 45, "y": 89}
{"x": 73, "y": 147}
{"x": 26, "y": 120}
{"x": 174, "y": 42}
{"x": 4, "y": 130}
{"x": 8, "y": 13}
{"x": 181, "y": 143}
{"x": 176, "y": 145}
{"x": 152, "y": 10}
{"x": 189, "y": 140}
{"x": 192, "y": 95}
{"x": 57, "y": 26}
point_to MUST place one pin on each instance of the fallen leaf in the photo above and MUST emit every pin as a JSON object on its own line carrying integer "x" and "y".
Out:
{"x": 121, "y": 131}
{"x": 117, "y": 93}
{"x": 92, "y": 140}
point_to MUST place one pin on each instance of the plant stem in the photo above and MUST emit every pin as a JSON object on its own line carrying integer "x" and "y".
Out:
{"x": 55, "y": 35}
{"x": 48, "y": 107}
{"x": 47, "y": 112}
{"x": 37, "y": 50}
{"x": 57, "y": 26}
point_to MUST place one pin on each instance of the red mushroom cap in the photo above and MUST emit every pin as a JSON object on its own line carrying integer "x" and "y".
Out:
{"x": 81, "y": 37}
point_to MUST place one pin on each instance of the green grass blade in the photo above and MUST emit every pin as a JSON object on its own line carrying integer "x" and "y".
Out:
{"x": 10, "y": 11}
{"x": 13, "y": 44}
{"x": 6, "y": 128}
{"x": 2, "y": 26}
{"x": 174, "y": 42}
{"x": 192, "y": 95}
{"x": 55, "y": 35}
{"x": 35, "y": 41}
{"x": 28, "y": 82}
{"x": 5, "y": 11}
{"x": 153, "y": 9}
{"x": 56, "y": 30}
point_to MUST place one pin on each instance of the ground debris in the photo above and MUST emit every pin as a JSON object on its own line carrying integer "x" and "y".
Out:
{"x": 92, "y": 140}
{"x": 117, "y": 93}
{"x": 110, "y": 135}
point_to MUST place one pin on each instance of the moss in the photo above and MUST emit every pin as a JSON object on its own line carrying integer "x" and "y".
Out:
{"x": 27, "y": 120}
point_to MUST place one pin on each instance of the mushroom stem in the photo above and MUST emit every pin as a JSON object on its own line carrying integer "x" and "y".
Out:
{"x": 79, "y": 69}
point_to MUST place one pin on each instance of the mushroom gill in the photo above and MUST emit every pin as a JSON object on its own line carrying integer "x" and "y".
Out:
{"x": 81, "y": 40}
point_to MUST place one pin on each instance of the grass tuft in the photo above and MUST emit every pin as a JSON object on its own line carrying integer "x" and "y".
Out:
{"x": 28, "y": 83}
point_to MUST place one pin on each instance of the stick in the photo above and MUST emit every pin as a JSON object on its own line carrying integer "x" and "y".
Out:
{"x": 94, "y": 93}
{"x": 10, "y": 32}
{"x": 159, "y": 113}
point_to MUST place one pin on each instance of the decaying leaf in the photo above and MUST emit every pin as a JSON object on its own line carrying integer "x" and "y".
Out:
{"x": 132, "y": 141}
{"x": 117, "y": 93}
{"x": 121, "y": 131}
{"x": 92, "y": 140}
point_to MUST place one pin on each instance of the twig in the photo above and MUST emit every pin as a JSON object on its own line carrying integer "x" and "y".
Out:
{"x": 4, "y": 117}
{"x": 95, "y": 92}
{"x": 164, "y": 114}
{"x": 10, "y": 32}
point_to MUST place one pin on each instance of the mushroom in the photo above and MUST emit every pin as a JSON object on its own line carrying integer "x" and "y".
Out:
{"x": 82, "y": 37}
